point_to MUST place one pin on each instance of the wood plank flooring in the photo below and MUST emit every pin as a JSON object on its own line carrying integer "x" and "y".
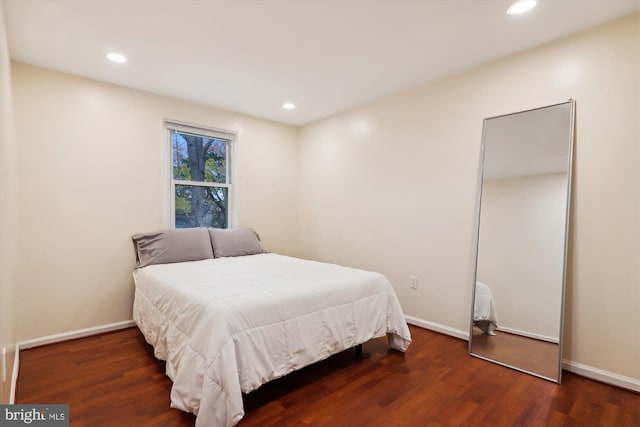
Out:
{"x": 532, "y": 355}
{"x": 114, "y": 380}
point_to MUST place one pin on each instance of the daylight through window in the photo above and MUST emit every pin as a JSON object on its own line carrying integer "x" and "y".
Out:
{"x": 200, "y": 180}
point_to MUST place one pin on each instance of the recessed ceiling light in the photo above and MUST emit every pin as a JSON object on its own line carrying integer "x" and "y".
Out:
{"x": 521, "y": 7}
{"x": 289, "y": 106}
{"x": 116, "y": 57}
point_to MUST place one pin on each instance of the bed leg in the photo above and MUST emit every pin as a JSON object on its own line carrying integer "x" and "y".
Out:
{"x": 359, "y": 351}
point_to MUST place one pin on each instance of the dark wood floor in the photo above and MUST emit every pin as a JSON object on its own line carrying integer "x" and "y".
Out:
{"x": 540, "y": 357}
{"x": 114, "y": 380}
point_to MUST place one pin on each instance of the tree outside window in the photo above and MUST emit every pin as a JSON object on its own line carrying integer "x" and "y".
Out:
{"x": 200, "y": 179}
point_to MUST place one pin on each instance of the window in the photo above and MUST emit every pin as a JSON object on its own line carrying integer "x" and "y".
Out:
{"x": 201, "y": 184}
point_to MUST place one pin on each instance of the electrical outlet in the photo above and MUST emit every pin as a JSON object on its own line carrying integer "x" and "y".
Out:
{"x": 4, "y": 364}
{"x": 413, "y": 282}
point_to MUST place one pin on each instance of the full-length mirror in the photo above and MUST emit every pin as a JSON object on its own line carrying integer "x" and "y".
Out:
{"x": 522, "y": 240}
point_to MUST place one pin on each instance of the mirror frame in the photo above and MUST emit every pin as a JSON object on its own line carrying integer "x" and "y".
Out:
{"x": 571, "y": 104}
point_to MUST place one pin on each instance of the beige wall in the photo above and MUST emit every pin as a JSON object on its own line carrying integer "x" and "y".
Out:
{"x": 92, "y": 173}
{"x": 391, "y": 186}
{"x": 8, "y": 213}
{"x": 521, "y": 250}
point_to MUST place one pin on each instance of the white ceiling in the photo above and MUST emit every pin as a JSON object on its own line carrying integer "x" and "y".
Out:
{"x": 250, "y": 56}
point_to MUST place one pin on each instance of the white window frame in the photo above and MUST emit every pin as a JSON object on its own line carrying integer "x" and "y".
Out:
{"x": 230, "y": 138}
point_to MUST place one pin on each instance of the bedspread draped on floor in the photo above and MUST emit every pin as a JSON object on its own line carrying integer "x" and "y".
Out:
{"x": 228, "y": 325}
{"x": 485, "y": 315}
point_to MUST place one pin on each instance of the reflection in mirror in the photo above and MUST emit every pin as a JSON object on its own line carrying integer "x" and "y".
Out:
{"x": 521, "y": 252}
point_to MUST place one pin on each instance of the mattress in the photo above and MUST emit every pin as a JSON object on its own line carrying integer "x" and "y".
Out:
{"x": 226, "y": 326}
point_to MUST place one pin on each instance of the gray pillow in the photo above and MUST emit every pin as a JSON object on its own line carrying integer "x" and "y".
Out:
{"x": 168, "y": 246}
{"x": 235, "y": 242}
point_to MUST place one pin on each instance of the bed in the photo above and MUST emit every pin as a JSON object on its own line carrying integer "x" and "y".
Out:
{"x": 227, "y": 325}
{"x": 485, "y": 315}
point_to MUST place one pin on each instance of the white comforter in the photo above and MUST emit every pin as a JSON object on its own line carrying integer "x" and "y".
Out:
{"x": 485, "y": 315}
{"x": 228, "y": 325}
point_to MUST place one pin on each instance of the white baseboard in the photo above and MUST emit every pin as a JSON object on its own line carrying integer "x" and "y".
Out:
{"x": 575, "y": 367}
{"x": 82, "y": 333}
{"x": 14, "y": 375}
{"x": 528, "y": 334}
{"x": 602, "y": 375}
{"x": 432, "y": 326}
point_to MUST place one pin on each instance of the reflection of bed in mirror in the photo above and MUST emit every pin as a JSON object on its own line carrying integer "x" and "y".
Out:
{"x": 506, "y": 345}
{"x": 485, "y": 315}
